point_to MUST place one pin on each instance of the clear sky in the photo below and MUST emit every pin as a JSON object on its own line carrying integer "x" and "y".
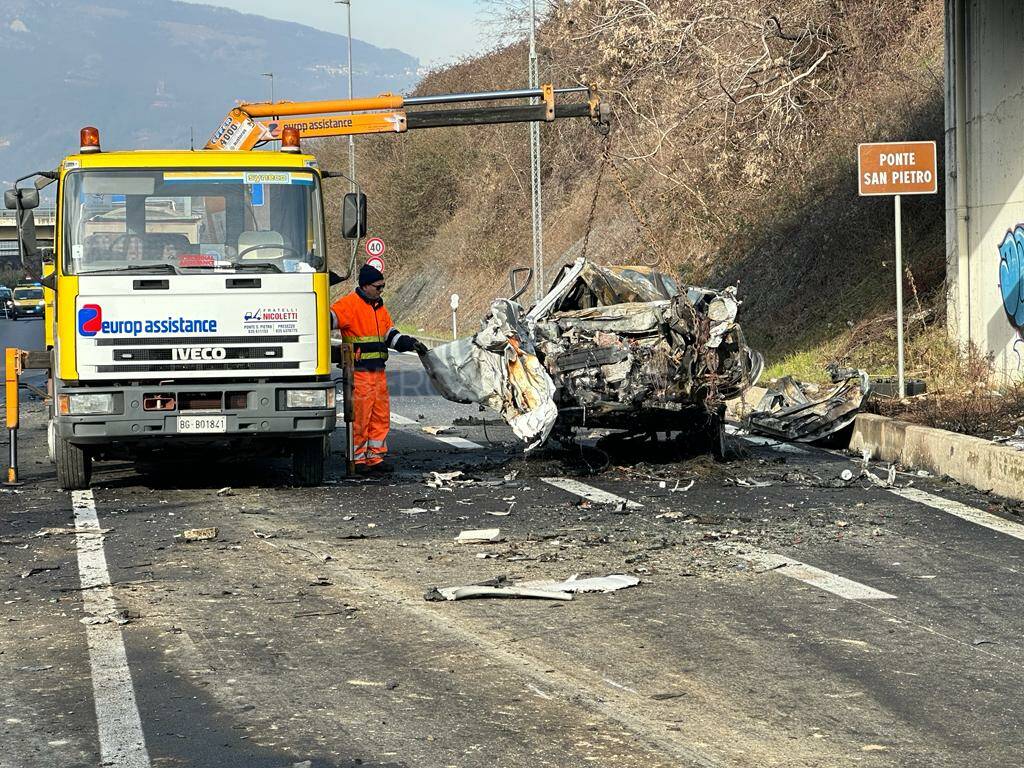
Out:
{"x": 435, "y": 31}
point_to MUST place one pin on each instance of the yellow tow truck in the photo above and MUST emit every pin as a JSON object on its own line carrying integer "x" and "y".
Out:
{"x": 188, "y": 290}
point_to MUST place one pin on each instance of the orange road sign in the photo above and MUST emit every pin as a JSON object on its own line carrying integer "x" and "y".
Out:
{"x": 897, "y": 168}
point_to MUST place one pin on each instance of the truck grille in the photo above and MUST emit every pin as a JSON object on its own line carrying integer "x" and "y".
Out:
{"x": 231, "y": 353}
{"x": 189, "y": 366}
{"x": 182, "y": 341}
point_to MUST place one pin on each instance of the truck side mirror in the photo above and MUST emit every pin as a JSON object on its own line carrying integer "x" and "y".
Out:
{"x": 21, "y": 199}
{"x": 353, "y": 216}
{"x": 28, "y": 235}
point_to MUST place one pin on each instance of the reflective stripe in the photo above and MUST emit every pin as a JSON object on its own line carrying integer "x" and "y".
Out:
{"x": 374, "y": 356}
{"x": 362, "y": 339}
{"x": 377, "y": 443}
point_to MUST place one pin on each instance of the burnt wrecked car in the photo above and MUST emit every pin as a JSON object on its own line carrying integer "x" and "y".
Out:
{"x": 618, "y": 348}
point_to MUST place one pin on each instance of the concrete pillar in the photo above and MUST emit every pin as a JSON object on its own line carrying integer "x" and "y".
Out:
{"x": 985, "y": 178}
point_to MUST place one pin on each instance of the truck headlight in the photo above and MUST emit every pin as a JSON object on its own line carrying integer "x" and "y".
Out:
{"x": 309, "y": 398}
{"x": 87, "y": 405}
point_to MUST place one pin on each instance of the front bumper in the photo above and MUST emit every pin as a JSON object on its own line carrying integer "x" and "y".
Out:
{"x": 251, "y": 411}
{"x": 29, "y": 309}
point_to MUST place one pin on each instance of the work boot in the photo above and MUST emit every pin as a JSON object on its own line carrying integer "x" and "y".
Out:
{"x": 380, "y": 468}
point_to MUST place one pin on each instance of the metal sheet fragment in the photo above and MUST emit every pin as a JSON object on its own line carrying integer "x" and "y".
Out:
{"x": 791, "y": 410}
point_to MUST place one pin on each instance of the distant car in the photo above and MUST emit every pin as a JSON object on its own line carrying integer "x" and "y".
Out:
{"x": 28, "y": 301}
{"x": 6, "y": 301}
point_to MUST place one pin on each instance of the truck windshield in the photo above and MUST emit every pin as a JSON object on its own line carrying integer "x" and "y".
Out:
{"x": 28, "y": 293}
{"x": 192, "y": 221}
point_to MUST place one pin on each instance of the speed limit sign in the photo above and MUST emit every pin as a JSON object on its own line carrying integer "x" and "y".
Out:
{"x": 375, "y": 247}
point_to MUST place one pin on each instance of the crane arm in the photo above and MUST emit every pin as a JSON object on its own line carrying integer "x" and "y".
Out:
{"x": 248, "y": 125}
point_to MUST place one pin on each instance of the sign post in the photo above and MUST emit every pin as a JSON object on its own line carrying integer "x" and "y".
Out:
{"x": 455, "y": 309}
{"x": 898, "y": 168}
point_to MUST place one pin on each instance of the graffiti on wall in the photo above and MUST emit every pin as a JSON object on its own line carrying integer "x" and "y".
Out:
{"x": 1011, "y": 277}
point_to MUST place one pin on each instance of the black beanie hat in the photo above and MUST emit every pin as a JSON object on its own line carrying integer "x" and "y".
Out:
{"x": 368, "y": 274}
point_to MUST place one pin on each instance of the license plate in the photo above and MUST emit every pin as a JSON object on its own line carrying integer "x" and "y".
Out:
{"x": 202, "y": 424}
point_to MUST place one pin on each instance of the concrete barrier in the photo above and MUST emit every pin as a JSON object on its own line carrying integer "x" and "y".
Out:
{"x": 971, "y": 460}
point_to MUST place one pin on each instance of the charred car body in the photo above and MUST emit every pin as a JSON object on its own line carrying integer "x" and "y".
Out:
{"x": 608, "y": 347}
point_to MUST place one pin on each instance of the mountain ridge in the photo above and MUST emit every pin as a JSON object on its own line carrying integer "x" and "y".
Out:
{"x": 151, "y": 73}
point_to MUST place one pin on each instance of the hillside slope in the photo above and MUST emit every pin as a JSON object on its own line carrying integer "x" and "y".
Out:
{"x": 732, "y": 159}
{"x": 147, "y": 71}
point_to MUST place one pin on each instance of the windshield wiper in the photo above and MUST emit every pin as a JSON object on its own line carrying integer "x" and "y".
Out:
{"x": 163, "y": 267}
{"x": 240, "y": 266}
{"x": 256, "y": 266}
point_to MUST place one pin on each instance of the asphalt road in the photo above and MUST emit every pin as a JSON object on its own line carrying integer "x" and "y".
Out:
{"x": 301, "y": 632}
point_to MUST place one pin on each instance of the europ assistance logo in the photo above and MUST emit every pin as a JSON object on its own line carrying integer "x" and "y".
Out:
{"x": 90, "y": 319}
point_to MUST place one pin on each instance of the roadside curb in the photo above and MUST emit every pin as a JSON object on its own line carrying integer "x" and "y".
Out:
{"x": 970, "y": 460}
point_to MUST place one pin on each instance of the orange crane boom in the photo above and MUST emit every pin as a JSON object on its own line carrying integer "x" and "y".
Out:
{"x": 249, "y": 125}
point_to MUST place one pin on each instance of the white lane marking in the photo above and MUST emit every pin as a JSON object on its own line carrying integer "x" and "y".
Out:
{"x": 589, "y": 492}
{"x": 963, "y": 511}
{"x": 122, "y": 742}
{"x": 816, "y": 577}
{"x": 459, "y": 442}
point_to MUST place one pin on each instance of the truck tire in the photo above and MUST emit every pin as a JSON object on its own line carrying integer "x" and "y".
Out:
{"x": 308, "y": 457}
{"x": 74, "y": 465}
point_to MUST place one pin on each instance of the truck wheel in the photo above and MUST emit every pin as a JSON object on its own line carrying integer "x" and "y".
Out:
{"x": 308, "y": 457}
{"x": 74, "y": 465}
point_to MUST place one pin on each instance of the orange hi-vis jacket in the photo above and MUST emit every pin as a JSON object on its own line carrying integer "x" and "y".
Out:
{"x": 368, "y": 327}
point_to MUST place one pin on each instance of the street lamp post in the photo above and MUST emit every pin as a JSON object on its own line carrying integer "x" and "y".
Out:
{"x": 535, "y": 189}
{"x": 351, "y": 139}
{"x": 271, "y": 76}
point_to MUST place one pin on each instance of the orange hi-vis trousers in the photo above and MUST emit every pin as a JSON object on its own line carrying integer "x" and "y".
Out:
{"x": 371, "y": 410}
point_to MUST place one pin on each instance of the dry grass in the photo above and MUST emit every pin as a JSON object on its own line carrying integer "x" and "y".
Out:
{"x": 734, "y": 137}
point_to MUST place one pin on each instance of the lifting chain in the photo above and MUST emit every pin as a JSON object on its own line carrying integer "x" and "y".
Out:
{"x": 655, "y": 258}
{"x": 605, "y": 158}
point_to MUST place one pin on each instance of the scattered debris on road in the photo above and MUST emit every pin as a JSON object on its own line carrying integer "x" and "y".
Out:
{"x": 199, "y": 534}
{"x": 114, "y": 617}
{"x": 446, "y": 481}
{"x": 39, "y": 569}
{"x": 435, "y": 430}
{"x": 472, "y": 591}
{"x": 480, "y": 536}
{"x": 574, "y": 583}
{"x": 502, "y": 587}
{"x": 791, "y": 410}
{"x": 44, "y": 532}
{"x": 621, "y": 344}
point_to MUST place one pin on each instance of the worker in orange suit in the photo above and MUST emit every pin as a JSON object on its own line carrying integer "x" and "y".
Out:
{"x": 365, "y": 323}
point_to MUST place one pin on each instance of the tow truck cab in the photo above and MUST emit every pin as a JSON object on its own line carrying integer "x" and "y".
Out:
{"x": 190, "y": 308}
{"x": 28, "y": 301}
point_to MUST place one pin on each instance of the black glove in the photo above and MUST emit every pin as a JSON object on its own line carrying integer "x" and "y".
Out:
{"x": 405, "y": 343}
{"x": 420, "y": 347}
